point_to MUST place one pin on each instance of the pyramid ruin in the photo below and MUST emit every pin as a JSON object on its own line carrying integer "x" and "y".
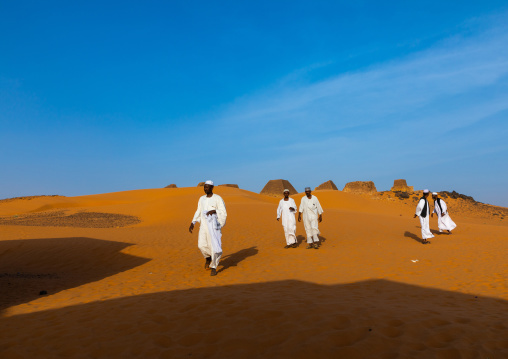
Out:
{"x": 200, "y": 184}
{"x": 229, "y": 185}
{"x": 328, "y": 185}
{"x": 277, "y": 187}
{"x": 360, "y": 187}
{"x": 171, "y": 186}
{"x": 400, "y": 185}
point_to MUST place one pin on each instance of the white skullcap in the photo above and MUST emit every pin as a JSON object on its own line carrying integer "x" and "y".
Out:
{"x": 286, "y": 190}
{"x": 209, "y": 182}
{"x": 307, "y": 188}
{"x": 425, "y": 191}
{"x": 434, "y": 193}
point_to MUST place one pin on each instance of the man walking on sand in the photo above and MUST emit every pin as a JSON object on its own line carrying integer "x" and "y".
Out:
{"x": 444, "y": 221}
{"x": 211, "y": 213}
{"x": 423, "y": 211}
{"x": 287, "y": 209}
{"x": 312, "y": 213}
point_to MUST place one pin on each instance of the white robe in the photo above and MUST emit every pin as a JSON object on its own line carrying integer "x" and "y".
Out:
{"x": 214, "y": 227}
{"x": 288, "y": 219}
{"x": 310, "y": 210}
{"x": 426, "y": 233}
{"x": 444, "y": 221}
{"x": 210, "y": 234}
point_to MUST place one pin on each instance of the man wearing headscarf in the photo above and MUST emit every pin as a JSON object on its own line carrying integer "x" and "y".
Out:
{"x": 444, "y": 221}
{"x": 423, "y": 211}
{"x": 312, "y": 213}
{"x": 211, "y": 213}
{"x": 286, "y": 210}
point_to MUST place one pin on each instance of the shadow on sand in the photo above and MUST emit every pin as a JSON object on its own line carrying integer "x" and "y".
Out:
{"x": 232, "y": 260}
{"x": 29, "y": 266}
{"x": 300, "y": 239}
{"x": 303, "y": 240}
{"x": 370, "y": 319}
{"x": 414, "y": 236}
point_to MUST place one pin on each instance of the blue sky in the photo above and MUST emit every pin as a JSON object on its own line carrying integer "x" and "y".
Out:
{"x": 109, "y": 96}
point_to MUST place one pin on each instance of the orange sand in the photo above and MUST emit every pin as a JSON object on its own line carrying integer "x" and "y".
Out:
{"x": 141, "y": 291}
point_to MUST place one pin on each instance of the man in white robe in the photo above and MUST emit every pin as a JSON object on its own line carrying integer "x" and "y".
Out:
{"x": 444, "y": 221}
{"x": 211, "y": 213}
{"x": 312, "y": 213}
{"x": 423, "y": 211}
{"x": 286, "y": 210}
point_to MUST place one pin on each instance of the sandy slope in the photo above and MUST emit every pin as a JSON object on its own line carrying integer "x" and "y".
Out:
{"x": 141, "y": 291}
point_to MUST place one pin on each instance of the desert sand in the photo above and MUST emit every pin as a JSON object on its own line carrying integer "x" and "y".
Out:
{"x": 138, "y": 288}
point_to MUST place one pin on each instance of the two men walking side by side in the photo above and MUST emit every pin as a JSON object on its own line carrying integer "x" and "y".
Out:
{"x": 310, "y": 210}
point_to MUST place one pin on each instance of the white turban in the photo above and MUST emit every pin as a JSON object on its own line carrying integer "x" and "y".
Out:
{"x": 425, "y": 191}
{"x": 286, "y": 190}
{"x": 434, "y": 193}
{"x": 209, "y": 182}
{"x": 307, "y": 188}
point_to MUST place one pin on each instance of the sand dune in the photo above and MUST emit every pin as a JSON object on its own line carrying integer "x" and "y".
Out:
{"x": 371, "y": 290}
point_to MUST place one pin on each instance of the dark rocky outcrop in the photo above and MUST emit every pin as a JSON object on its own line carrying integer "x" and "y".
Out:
{"x": 402, "y": 195}
{"x": 455, "y": 195}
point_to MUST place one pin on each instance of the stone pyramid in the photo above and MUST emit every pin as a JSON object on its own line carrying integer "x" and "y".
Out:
{"x": 277, "y": 187}
{"x": 171, "y": 186}
{"x": 360, "y": 187}
{"x": 327, "y": 185}
{"x": 400, "y": 185}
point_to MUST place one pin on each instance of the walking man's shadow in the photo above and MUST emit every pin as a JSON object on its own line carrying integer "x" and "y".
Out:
{"x": 415, "y": 237}
{"x": 232, "y": 260}
{"x": 301, "y": 239}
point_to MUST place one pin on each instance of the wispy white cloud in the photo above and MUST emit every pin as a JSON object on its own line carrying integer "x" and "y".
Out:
{"x": 384, "y": 91}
